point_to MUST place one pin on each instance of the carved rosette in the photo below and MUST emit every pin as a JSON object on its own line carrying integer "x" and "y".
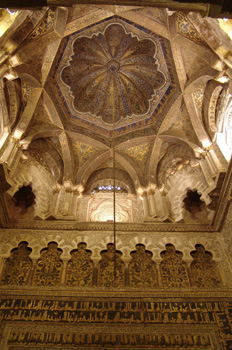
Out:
{"x": 106, "y": 268}
{"x": 113, "y": 75}
{"x": 79, "y": 270}
{"x": 49, "y": 267}
{"x": 142, "y": 270}
{"x": 173, "y": 269}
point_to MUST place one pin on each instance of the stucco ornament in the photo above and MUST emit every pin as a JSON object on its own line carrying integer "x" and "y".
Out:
{"x": 113, "y": 73}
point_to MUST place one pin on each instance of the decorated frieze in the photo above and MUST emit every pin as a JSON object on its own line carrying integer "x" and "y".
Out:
{"x": 201, "y": 324}
{"x": 111, "y": 271}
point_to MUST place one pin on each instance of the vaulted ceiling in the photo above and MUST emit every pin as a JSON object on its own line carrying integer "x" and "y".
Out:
{"x": 78, "y": 82}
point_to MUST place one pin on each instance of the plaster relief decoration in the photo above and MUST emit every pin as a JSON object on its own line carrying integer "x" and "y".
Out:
{"x": 173, "y": 269}
{"x": 79, "y": 271}
{"x": 49, "y": 266}
{"x": 112, "y": 70}
{"x": 17, "y": 267}
{"x": 142, "y": 270}
{"x": 106, "y": 268}
{"x": 101, "y": 208}
{"x": 204, "y": 270}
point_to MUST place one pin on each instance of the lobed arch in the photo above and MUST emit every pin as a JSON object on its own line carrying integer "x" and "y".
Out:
{"x": 140, "y": 141}
{"x": 212, "y": 93}
{"x": 39, "y": 131}
{"x": 48, "y": 268}
{"x": 184, "y": 149}
{"x": 200, "y": 77}
{"x": 92, "y": 165}
{"x": 41, "y": 182}
{"x": 180, "y": 183}
{"x": 50, "y": 155}
{"x": 99, "y": 176}
{"x": 26, "y": 72}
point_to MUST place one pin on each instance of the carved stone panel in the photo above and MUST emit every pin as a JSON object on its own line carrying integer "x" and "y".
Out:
{"x": 79, "y": 270}
{"x": 173, "y": 269}
{"x": 142, "y": 270}
{"x": 49, "y": 266}
{"x": 111, "y": 269}
{"x": 17, "y": 267}
{"x": 203, "y": 269}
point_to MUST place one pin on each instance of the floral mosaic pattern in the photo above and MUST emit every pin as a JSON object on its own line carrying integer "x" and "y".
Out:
{"x": 113, "y": 74}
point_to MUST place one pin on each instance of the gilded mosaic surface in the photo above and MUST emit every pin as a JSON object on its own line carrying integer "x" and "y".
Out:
{"x": 45, "y": 26}
{"x": 113, "y": 74}
{"x": 139, "y": 153}
{"x": 186, "y": 28}
{"x": 83, "y": 151}
{"x": 113, "y": 60}
{"x": 198, "y": 96}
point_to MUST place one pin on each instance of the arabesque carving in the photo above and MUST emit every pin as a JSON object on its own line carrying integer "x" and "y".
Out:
{"x": 79, "y": 271}
{"x": 49, "y": 266}
{"x": 111, "y": 269}
{"x": 142, "y": 270}
{"x": 173, "y": 269}
{"x": 204, "y": 270}
{"x": 17, "y": 267}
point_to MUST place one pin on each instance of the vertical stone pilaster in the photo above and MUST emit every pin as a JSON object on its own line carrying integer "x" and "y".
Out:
{"x": 7, "y": 151}
{"x": 151, "y": 200}
{"x": 68, "y": 198}
{"x": 16, "y": 162}
{"x": 12, "y": 156}
{"x": 215, "y": 160}
{"x": 145, "y": 204}
{"x": 165, "y": 205}
{"x": 55, "y": 200}
{"x": 73, "y": 203}
{"x": 206, "y": 171}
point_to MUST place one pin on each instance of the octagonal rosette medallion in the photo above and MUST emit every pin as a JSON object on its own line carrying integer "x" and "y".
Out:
{"x": 112, "y": 75}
